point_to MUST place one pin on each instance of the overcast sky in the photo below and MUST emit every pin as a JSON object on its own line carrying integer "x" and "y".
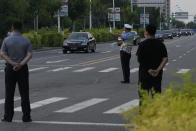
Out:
{"x": 184, "y": 5}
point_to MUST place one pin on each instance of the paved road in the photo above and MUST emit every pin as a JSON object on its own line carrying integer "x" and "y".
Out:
{"x": 82, "y": 92}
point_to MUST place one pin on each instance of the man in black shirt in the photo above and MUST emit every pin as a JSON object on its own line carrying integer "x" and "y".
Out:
{"x": 152, "y": 57}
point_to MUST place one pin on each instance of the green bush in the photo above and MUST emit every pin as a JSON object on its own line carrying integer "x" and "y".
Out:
{"x": 45, "y": 38}
{"x": 52, "y": 39}
{"x": 141, "y": 32}
{"x": 103, "y": 35}
{"x": 173, "y": 111}
{"x": 35, "y": 40}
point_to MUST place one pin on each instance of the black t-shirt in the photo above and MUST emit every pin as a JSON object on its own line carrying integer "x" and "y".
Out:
{"x": 150, "y": 54}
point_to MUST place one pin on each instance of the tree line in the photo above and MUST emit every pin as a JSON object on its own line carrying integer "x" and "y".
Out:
{"x": 78, "y": 19}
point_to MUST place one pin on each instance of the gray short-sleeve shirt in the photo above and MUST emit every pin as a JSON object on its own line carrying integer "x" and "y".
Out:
{"x": 16, "y": 47}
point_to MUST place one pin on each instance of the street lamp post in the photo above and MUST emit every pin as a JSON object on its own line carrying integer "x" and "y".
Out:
{"x": 144, "y": 17}
{"x": 131, "y": 5}
{"x": 90, "y": 16}
{"x": 160, "y": 18}
{"x": 114, "y": 13}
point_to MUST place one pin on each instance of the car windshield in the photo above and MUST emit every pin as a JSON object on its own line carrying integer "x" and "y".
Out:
{"x": 78, "y": 36}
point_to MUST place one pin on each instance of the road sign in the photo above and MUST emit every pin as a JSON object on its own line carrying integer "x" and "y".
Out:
{"x": 64, "y": 8}
{"x": 116, "y": 15}
{"x": 181, "y": 15}
{"x": 149, "y": 3}
{"x": 144, "y": 19}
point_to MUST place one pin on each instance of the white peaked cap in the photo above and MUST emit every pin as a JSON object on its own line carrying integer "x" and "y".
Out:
{"x": 128, "y": 26}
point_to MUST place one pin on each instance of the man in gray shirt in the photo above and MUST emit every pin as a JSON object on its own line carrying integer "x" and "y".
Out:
{"x": 16, "y": 51}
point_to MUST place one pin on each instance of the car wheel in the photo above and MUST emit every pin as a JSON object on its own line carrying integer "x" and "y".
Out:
{"x": 88, "y": 49}
{"x": 94, "y": 48}
{"x": 64, "y": 52}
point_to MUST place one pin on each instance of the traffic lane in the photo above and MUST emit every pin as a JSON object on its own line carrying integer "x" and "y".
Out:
{"x": 100, "y": 48}
{"x": 52, "y": 127}
{"x": 77, "y": 56}
{"x": 181, "y": 48}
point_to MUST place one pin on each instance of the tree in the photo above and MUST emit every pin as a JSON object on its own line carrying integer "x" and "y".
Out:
{"x": 77, "y": 9}
{"x": 191, "y": 25}
{"x": 178, "y": 24}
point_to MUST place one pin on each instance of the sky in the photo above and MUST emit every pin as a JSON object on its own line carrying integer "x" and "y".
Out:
{"x": 184, "y": 5}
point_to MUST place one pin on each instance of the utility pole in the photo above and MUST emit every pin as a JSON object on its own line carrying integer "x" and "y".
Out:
{"x": 131, "y": 5}
{"x": 114, "y": 13}
{"x": 144, "y": 17}
{"x": 90, "y": 16}
{"x": 160, "y": 18}
{"x": 59, "y": 22}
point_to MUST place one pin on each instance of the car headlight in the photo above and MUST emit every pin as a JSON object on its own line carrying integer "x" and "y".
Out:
{"x": 84, "y": 42}
{"x": 65, "y": 43}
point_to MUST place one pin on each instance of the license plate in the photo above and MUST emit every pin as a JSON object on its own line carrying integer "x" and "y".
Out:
{"x": 74, "y": 48}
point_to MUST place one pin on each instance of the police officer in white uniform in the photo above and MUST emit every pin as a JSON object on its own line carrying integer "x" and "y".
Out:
{"x": 126, "y": 44}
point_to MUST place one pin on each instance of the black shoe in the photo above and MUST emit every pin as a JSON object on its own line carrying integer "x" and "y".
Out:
{"x": 125, "y": 82}
{"x": 5, "y": 120}
{"x": 27, "y": 120}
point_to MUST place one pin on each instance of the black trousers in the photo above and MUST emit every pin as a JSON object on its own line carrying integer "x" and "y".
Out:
{"x": 125, "y": 62}
{"x": 150, "y": 84}
{"x": 11, "y": 78}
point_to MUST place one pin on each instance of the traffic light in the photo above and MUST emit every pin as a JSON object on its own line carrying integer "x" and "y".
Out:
{"x": 170, "y": 21}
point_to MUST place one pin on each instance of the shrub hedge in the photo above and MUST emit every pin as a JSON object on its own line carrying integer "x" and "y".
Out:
{"x": 45, "y": 38}
{"x": 50, "y": 38}
{"x": 103, "y": 35}
{"x": 175, "y": 110}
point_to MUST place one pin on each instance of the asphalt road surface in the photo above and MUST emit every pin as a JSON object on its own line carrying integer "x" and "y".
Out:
{"x": 82, "y": 92}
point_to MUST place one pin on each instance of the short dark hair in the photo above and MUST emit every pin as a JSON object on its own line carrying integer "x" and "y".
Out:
{"x": 151, "y": 29}
{"x": 17, "y": 26}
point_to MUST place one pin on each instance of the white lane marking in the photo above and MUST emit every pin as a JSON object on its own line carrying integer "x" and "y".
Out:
{"x": 74, "y": 123}
{"x": 52, "y": 62}
{"x": 43, "y": 103}
{"x": 184, "y": 54}
{"x": 183, "y": 71}
{"x": 123, "y": 108}
{"x": 82, "y": 105}
{"x": 134, "y": 70}
{"x": 105, "y": 52}
{"x": 167, "y": 64}
{"x": 43, "y": 58}
{"x": 1, "y": 70}
{"x": 108, "y": 70}
{"x": 84, "y": 69}
{"x": 59, "y": 69}
{"x": 180, "y": 57}
{"x": 178, "y": 46}
{"x": 2, "y": 101}
{"x": 174, "y": 60}
{"x": 164, "y": 69}
{"x": 37, "y": 69}
{"x": 188, "y": 52}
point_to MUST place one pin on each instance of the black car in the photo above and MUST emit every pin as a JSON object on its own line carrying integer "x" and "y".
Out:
{"x": 159, "y": 35}
{"x": 79, "y": 41}
{"x": 185, "y": 32}
{"x": 168, "y": 34}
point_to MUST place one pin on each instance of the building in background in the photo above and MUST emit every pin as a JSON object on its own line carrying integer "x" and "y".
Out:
{"x": 165, "y": 5}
